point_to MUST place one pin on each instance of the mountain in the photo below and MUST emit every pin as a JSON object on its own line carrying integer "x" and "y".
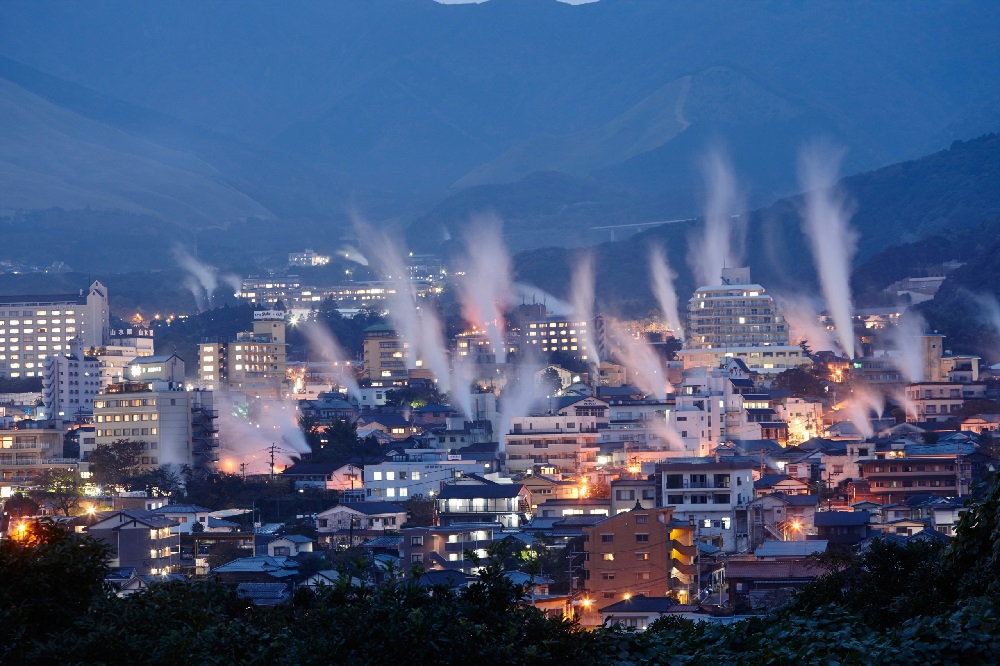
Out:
{"x": 949, "y": 193}
{"x": 415, "y": 96}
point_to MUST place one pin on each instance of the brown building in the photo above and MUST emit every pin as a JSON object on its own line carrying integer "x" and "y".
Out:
{"x": 432, "y": 548}
{"x": 895, "y": 479}
{"x": 642, "y": 551}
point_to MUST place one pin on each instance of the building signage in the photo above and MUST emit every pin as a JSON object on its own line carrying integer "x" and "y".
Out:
{"x": 269, "y": 314}
{"x": 131, "y": 332}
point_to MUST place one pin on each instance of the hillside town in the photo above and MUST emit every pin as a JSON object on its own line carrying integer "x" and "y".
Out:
{"x": 697, "y": 465}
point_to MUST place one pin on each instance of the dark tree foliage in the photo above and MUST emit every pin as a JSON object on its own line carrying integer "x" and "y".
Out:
{"x": 115, "y": 463}
{"x": 901, "y": 604}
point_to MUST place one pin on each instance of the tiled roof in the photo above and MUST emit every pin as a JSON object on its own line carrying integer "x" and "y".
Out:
{"x": 372, "y": 508}
{"x": 263, "y": 594}
{"x": 773, "y": 569}
{"x": 840, "y": 518}
{"x": 791, "y": 548}
{"x": 491, "y": 491}
{"x": 182, "y": 508}
{"x": 641, "y": 604}
{"x": 259, "y": 564}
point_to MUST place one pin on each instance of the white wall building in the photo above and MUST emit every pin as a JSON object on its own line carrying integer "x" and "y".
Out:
{"x": 424, "y": 473}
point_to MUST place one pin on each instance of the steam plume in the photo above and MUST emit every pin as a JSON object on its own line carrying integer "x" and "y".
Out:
{"x": 486, "y": 291}
{"x": 582, "y": 298}
{"x": 663, "y": 287}
{"x": 717, "y": 248}
{"x": 325, "y": 345}
{"x": 202, "y": 279}
{"x": 905, "y": 337}
{"x": 643, "y": 363}
{"x": 833, "y": 241}
{"x": 804, "y": 324}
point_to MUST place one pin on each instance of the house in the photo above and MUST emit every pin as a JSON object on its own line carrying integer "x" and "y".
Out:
{"x": 344, "y": 522}
{"x": 640, "y": 551}
{"x": 325, "y": 476}
{"x": 576, "y": 507}
{"x": 779, "y": 483}
{"x": 257, "y": 569}
{"x": 264, "y": 594}
{"x": 289, "y": 545}
{"x": 544, "y": 488}
{"x": 765, "y": 584}
{"x": 140, "y": 539}
{"x": 506, "y": 503}
{"x": 446, "y": 547}
{"x": 393, "y": 425}
{"x": 327, "y": 577}
{"x": 901, "y": 526}
{"x": 186, "y": 516}
{"x": 782, "y": 517}
{"x": 789, "y": 550}
{"x": 432, "y": 416}
{"x": 842, "y": 529}
{"x": 626, "y": 492}
{"x": 639, "y": 611}
{"x": 140, "y": 582}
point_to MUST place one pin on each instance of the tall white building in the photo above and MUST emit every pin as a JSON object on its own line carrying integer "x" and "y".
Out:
{"x": 35, "y": 327}
{"x": 738, "y": 319}
{"x": 177, "y": 427}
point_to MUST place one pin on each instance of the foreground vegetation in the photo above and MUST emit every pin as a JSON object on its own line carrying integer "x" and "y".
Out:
{"x": 893, "y": 604}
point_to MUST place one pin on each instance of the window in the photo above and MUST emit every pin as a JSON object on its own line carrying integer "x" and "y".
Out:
{"x": 416, "y": 558}
{"x": 416, "y": 540}
{"x": 642, "y": 557}
{"x": 641, "y": 520}
{"x": 642, "y": 575}
{"x": 607, "y": 575}
{"x": 675, "y": 499}
{"x": 607, "y": 538}
{"x": 642, "y": 538}
{"x": 608, "y": 557}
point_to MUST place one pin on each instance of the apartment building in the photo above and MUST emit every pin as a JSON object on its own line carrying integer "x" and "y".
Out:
{"x": 446, "y": 546}
{"x": 714, "y": 492}
{"x": 895, "y": 479}
{"x": 569, "y": 444}
{"x": 641, "y": 551}
{"x": 143, "y": 540}
{"x": 176, "y": 426}
{"x": 255, "y": 362}
{"x": 30, "y": 448}
{"x": 387, "y": 356}
{"x": 35, "y": 327}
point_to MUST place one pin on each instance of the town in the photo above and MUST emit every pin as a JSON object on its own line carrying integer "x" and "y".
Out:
{"x": 693, "y": 466}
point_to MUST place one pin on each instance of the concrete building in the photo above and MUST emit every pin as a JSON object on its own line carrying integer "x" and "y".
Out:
{"x": 738, "y": 319}
{"x": 715, "y": 493}
{"x": 387, "y": 356}
{"x": 139, "y": 539}
{"x": 177, "y": 427}
{"x": 255, "y": 362}
{"x": 640, "y": 551}
{"x": 556, "y": 333}
{"x": 30, "y": 448}
{"x": 567, "y": 443}
{"x": 445, "y": 547}
{"x": 35, "y": 327}
{"x": 419, "y": 473}
{"x": 307, "y": 258}
{"x": 895, "y": 479}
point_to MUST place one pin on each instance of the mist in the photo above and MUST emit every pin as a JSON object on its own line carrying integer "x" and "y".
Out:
{"x": 803, "y": 321}
{"x": 486, "y": 290}
{"x": 663, "y": 288}
{"x": 905, "y": 337}
{"x": 582, "y": 300}
{"x": 826, "y": 222}
{"x": 325, "y": 346}
{"x": 718, "y": 247}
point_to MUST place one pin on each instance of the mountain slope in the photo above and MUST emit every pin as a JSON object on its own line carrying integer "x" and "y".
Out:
{"x": 948, "y": 192}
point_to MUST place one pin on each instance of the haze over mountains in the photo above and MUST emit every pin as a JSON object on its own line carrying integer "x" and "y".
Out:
{"x": 187, "y": 116}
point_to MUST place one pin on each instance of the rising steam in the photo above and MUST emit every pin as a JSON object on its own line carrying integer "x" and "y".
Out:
{"x": 833, "y": 241}
{"x": 663, "y": 287}
{"x": 718, "y": 248}
{"x": 582, "y": 299}
{"x": 804, "y": 324}
{"x": 203, "y": 279}
{"x": 486, "y": 290}
{"x": 905, "y": 336}
{"x": 324, "y": 345}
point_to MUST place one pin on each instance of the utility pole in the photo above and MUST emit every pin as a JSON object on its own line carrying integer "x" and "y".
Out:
{"x": 272, "y": 449}
{"x": 243, "y": 470}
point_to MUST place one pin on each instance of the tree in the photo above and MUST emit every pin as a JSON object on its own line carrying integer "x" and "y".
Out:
{"x": 114, "y": 463}
{"x": 420, "y": 511}
{"x": 20, "y": 506}
{"x": 61, "y": 487}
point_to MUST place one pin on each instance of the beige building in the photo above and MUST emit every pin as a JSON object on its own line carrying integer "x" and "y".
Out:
{"x": 33, "y": 447}
{"x": 387, "y": 356}
{"x": 569, "y": 444}
{"x": 35, "y": 327}
{"x": 254, "y": 363}
{"x": 176, "y": 426}
{"x": 738, "y": 319}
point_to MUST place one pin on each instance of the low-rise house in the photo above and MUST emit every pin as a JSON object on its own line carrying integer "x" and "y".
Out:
{"x": 584, "y": 506}
{"x": 325, "y": 476}
{"x": 761, "y": 585}
{"x": 639, "y": 611}
{"x": 257, "y": 569}
{"x": 264, "y": 594}
{"x": 141, "y": 582}
{"x": 343, "y": 522}
{"x": 289, "y": 545}
{"x": 543, "y": 488}
{"x": 140, "y": 539}
{"x": 789, "y": 550}
{"x": 626, "y": 492}
{"x": 506, "y": 503}
{"x": 783, "y": 517}
{"x": 446, "y": 547}
{"x": 186, "y": 516}
{"x": 780, "y": 483}
{"x": 842, "y": 529}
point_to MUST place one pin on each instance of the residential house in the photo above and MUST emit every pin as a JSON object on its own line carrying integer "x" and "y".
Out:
{"x": 626, "y": 492}
{"x": 289, "y": 545}
{"x": 257, "y": 569}
{"x": 544, "y": 488}
{"x": 842, "y": 529}
{"x": 506, "y": 503}
{"x": 897, "y": 478}
{"x": 140, "y": 539}
{"x": 576, "y": 507}
{"x": 782, "y": 517}
{"x": 639, "y": 611}
{"x": 766, "y": 584}
{"x": 357, "y": 521}
{"x": 446, "y": 547}
{"x": 186, "y": 516}
{"x": 264, "y": 594}
{"x": 779, "y": 483}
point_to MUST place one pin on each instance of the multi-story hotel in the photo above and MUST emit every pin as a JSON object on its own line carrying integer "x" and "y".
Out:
{"x": 738, "y": 319}
{"x": 387, "y": 356}
{"x": 558, "y": 334}
{"x": 176, "y": 426}
{"x": 254, "y": 362}
{"x": 35, "y": 327}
